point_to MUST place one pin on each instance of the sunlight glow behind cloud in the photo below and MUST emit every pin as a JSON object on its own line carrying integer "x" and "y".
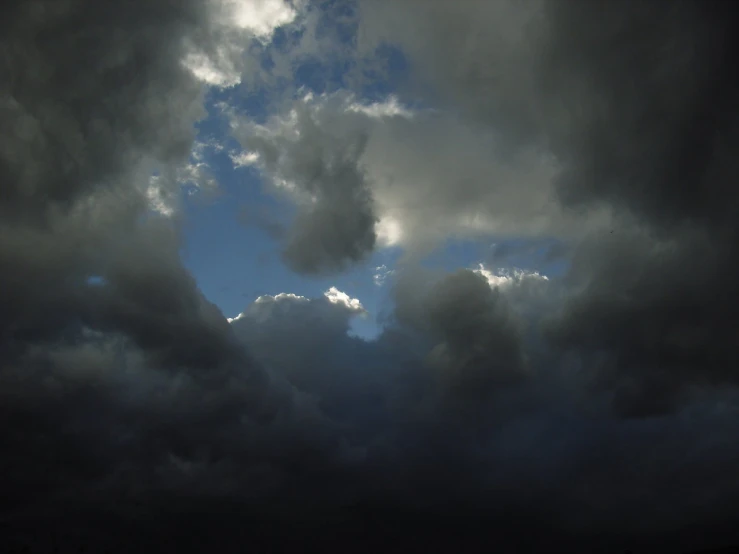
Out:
{"x": 389, "y": 232}
{"x": 260, "y": 17}
{"x": 236, "y": 24}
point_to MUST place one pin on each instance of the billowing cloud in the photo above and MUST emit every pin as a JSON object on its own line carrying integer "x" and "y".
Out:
{"x": 645, "y": 133}
{"x": 335, "y": 296}
{"x": 319, "y": 170}
{"x": 219, "y": 58}
{"x": 403, "y": 178}
{"x": 513, "y": 407}
{"x": 103, "y": 330}
{"x": 297, "y": 336}
{"x": 164, "y": 189}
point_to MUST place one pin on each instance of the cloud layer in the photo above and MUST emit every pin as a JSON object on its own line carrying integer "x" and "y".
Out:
{"x": 496, "y": 406}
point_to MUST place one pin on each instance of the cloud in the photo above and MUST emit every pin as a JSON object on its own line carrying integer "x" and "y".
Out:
{"x": 381, "y": 274}
{"x": 164, "y": 190}
{"x": 597, "y": 409}
{"x": 643, "y": 134}
{"x": 475, "y": 338}
{"x": 534, "y": 72}
{"x": 411, "y": 179}
{"x": 335, "y": 296}
{"x": 234, "y": 24}
{"x": 505, "y": 279}
{"x": 319, "y": 170}
{"x": 78, "y": 163}
{"x": 450, "y": 374}
{"x": 105, "y": 335}
{"x": 261, "y": 17}
{"x": 244, "y": 159}
{"x": 297, "y": 336}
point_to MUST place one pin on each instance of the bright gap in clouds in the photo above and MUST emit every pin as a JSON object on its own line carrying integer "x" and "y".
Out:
{"x": 233, "y": 280}
{"x": 261, "y": 17}
{"x": 243, "y": 190}
{"x": 235, "y": 238}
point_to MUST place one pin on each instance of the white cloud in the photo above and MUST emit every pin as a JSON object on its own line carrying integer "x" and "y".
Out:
{"x": 335, "y": 296}
{"x": 382, "y": 273}
{"x": 163, "y": 190}
{"x": 235, "y": 24}
{"x": 391, "y": 107}
{"x": 389, "y": 232}
{"x": 238, "y": 317}
{"x": 503, "y": 278}
{"x": 217, "y": 69}
{"x": 197, "y": 174}
{"x": 267, "y": 305}
{"x": 160, "y": 201}
{"x": 244, "y": 159}
{"x": 281, "y": 297}
{"x": 260, "y": 17}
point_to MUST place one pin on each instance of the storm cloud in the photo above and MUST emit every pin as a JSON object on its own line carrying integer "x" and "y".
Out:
{"x": 497, "y": 408}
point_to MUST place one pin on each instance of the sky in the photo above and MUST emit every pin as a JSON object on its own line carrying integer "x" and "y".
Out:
{"x": 317, "y": 275}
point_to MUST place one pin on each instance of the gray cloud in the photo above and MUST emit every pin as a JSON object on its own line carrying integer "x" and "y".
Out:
{"x": 106, "y": 340}
{"x": 477, "y": 341}
{"x": 133, "y": 410}
{"x": 410, "y": 178}
{"x": 428, "y": 431}
{"x": 320, "y": 170}
{"x": 621, "y": 125}
{"x": 632, "y": 101}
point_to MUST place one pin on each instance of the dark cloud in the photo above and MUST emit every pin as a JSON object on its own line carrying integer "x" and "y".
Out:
{"x": 85, "y": 102}
{"x": 476, "y": 340}
{"x": 501, "y": 410}
{"x": 318, "y": 167}
{"x": 652, "y": 134}
{"x": 654, "y": 124}
{"x": 411, "y": 177}
{"x": 330, "y": 237}
{"x": 107, "y": 345}
{"x": 635, "y": 102}
{"x": 464, "y": 445}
